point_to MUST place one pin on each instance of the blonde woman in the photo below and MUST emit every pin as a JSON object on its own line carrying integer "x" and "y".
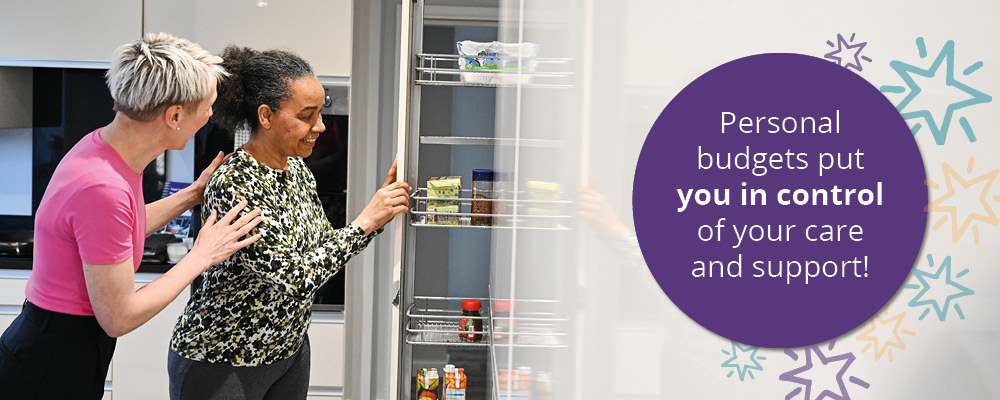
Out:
{"x": 92, "y": 221}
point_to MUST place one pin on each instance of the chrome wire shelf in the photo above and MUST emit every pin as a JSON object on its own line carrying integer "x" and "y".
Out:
{"x": 534, "y": 325}
{"x": 488, "y": 141}
{"x": 444, "y": 70}
{"x": 536, "y": 214}
{"x": 434, "y": 322}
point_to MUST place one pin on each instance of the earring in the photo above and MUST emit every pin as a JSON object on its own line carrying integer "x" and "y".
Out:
{"x": 178, "y": 128}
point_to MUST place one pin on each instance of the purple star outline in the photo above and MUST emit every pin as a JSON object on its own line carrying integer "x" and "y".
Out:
{"x": 790, "y": 376}
{"x": 844, "y": 45}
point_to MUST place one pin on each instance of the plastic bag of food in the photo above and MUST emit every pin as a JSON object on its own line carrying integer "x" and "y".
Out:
{"x": 514, "y": 57}
{"x": 504, "y": 58}
{"x": 485, "y": 58}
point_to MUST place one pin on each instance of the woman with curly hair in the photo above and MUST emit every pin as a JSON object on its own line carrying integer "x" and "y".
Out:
{"x": 243, "y": 333}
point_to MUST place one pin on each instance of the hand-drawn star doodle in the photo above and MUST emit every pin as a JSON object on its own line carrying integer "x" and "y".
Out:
{"x": 814, "y": 351}
{"x": 878, "y": 332}
{"x": 947, "y": 58}
{"x": 939, "y": 306}
{"x": 960, "y": 225}
{"x": 793, "y": 376}
{"x": 749, "y": 354}
{"x": 843, "y": 46}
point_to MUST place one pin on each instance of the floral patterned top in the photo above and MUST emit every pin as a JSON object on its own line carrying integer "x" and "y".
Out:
{"x": 255, "y": 307}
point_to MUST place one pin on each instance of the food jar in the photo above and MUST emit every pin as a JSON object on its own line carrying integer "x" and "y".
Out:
{"x": 471, "y": 324}
{"x": 503, "y": 324}
{"x": 482, "y": 188}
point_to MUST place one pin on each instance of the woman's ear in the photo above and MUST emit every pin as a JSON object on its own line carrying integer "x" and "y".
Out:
{"x": 172, "y": 116}
{"x": 264, "y": 115}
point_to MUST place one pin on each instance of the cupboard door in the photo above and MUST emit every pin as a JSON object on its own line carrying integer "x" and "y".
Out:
{"x": 12, "y": 292}
{"x": 317, "y": 30}
{"x": 327, "y": 344}
{"x": 6, "y": 319}
{"x": 68, "y": 30}
{"x": 140, "y": 365}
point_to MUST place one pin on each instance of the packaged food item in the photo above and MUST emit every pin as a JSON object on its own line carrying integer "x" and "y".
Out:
{"x": 454, "y": 383}
{"x": 443, "y": 187}
{"x": 514, "y": 384}
{"x": 496, "y": 56}
{"x": 543, "y": 191}
{"x": 482, "y": 188}
{"x": 544, "y": 387}
{"x": 517, "y": 56}
{"x": 502, "y": 191}
{"x": 487, "y": 61}
{"x": 427, "y": 384}
{"x": 474, "y": 322}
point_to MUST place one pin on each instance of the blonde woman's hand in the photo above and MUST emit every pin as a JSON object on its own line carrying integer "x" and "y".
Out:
{"x": 217, "y": 240}
{"x": 392, "y": 199}
{"x": 198, "y": 186}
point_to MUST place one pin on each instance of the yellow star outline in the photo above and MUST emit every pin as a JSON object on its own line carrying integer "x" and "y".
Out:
{"x": 884, "y": 348}
{"x": 950, "y": 176}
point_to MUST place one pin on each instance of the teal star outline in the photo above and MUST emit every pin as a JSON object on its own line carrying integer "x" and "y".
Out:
{"x": 941, "y": 311}
{"x": 746, "y": 367}
{"x": 947, "y": 54}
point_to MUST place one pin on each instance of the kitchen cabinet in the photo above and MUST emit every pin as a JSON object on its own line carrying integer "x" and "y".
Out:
{"x": 140, "y": 367}
{"x": 12, "y": 285}
{"x": 326, "y": 341}
{"x": 67, "y": 30}
{"x": 318, "y": 30}
{"x": 139, "y": 370}
{"x": 446, "y": 125}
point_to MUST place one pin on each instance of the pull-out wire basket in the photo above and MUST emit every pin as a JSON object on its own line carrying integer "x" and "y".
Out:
{"x": 445, "y": 70}
{"x": 434, "y": 321}
{"x": 531, "y": 214}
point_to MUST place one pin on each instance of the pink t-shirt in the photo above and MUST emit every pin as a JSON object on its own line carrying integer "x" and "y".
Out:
{"x": 93, "y": 212}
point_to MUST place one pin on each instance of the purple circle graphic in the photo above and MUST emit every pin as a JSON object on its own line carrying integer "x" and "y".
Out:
{"x": 779, "y": 200}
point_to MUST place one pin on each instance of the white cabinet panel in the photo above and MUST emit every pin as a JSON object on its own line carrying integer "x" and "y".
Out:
{"x": 140, "y": 366}
{"x": 327, "y": 343}
{"x": 318, "y": 30}
{"x": 12, "y": 291}
{"x": 68, "y": 30}
{"x": 5, "y": 321}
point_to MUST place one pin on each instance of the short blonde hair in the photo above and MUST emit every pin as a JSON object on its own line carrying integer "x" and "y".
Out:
{"x": 159, "y": 71}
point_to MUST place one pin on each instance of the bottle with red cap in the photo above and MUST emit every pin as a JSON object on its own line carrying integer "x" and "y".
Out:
{"x": 471, "y": 327}
{"x": 504, "y": 326}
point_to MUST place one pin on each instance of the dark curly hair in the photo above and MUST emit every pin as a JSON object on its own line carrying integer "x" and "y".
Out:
{"x": 255, "y": 78}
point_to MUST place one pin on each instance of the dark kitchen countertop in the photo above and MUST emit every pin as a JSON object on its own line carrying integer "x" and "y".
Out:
{"x": 25, "y": 263}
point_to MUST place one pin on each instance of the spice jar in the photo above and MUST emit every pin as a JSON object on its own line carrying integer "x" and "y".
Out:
{"x": 482, "y": 188}
{"x": 472, "y": 326}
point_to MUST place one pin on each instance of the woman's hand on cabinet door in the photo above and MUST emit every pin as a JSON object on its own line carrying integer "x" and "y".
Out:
{"x": 392, "y": 199}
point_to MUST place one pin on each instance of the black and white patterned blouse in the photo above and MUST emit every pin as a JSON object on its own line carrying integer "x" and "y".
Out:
{"x": 254, "y": 308}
